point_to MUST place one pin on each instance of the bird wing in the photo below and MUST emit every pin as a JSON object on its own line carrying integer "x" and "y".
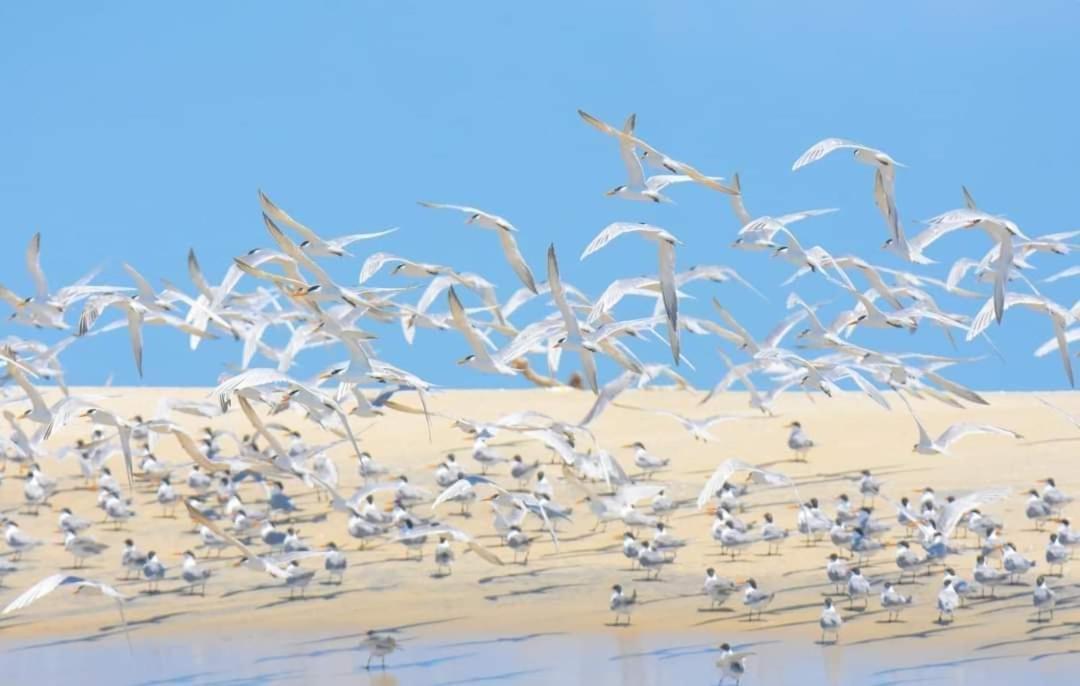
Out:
{"x": 199, "y": 518}
{"x": 33, "y": 265}
{"x": 51, "y": 583}
{"x": 821, "y": 149}
{"x": 272, "y": 210}
{"x": 632, "y": 493}
{"x": 188, "y": 444}
{"x": 516, "y": 260}
{"x": 666, "y": 254}
{"x": 953, "y": 512}
{"x": 958, "y": 431}
{"x": 613, "y": 231}
{"x": 573, "y": 330}
{"x": 461, "y": 323}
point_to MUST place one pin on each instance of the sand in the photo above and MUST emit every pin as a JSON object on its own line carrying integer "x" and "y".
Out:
{"x": 567, "y": 591}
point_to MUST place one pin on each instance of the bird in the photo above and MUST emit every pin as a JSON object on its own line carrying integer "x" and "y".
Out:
{"x": 947, "y": 602}
{"x": 942, "y": 444}
{"x": 717, "y": 588}
{"x": 799, "y": 442}
{"x": 732, "y": 663}
{"x": 1043, "y": 598}
{"x": 622, "y": 604}
{"x": 666, "y": 243}
{"x": 378, "y": 646}
{"x": 830, "y": 622}
{"x": 506, "y": 232}
{"x": 755, "y": 599}
{"x": 56, "y": 581}
{"x": 194, "y": 575}
{"x": 894, "y": 602}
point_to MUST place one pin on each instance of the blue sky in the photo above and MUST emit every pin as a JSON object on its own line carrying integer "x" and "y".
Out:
{"x": 133, "y": 131}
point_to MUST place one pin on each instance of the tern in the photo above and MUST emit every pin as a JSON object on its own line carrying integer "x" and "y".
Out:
{"x": 666, "y": 243}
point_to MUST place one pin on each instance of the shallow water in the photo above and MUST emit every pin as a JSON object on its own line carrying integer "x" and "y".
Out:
{"x": 598, "y": 660}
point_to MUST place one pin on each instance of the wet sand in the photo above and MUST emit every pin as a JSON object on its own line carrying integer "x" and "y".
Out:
{"x": 567, "y": 591}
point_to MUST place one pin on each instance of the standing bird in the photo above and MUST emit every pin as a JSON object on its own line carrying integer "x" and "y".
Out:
{"x": 517, "y": 541}
{"x": 17, "y": 541}
{"x": 731, "y": 664}
{"x": 893, "y": 602}
{"x": 154, "y": 571}
{"x": 1014, "y": 563}
{"x": 755, "y": 599}
{"x": 444, "y": 557}
{"x": 1043, "y": 599}
{"x": 773, "y": 535}
{"x": 858, "y": 585}
{"x": 947, "y": 602}
{"x": 378, "y": 646}
{"x": 297, "y": 577}
{"x": 132, "y": 559}
{"x": 717, "y": 588}
{"x": 82, "y": 547}
{"x": 798, "y": 441}
{"x": 621, "y": 604}
{"x": 335, "y": 563}
{"x": 1037, "y": 509}
{"x": 194, "y": 575}
{"x": 1056, "y": 556}
{"x": 648, "y": 463}
{"x": 830, "y": 622}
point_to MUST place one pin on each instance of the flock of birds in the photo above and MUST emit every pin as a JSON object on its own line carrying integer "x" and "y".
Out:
{"x": 237, "y": 488}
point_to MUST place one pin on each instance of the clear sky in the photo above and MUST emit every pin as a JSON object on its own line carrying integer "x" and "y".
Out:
{"x": 133, "y": 131}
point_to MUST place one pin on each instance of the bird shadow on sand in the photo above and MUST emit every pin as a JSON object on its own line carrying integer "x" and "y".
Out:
{"x": 88, "y": 638}
{"x": 531, "y": 573}
{"x": 155, "y": 620}
{"x": 523, "y": 638}
{"x": 384, "y": 630}
{"x": 255, "y": 679}
{"x": 432, "y": 662}
{"x": 311, "y": 654}
{"x": 503, "y": 677}
{"x": 538, "y": 590}
{"x": 945, "y": 664}
{"x": 333, "y": 595}
{"x": 926, "y": 633}
{"x": 178, "y": 679}
{"x": 670, "y": 651}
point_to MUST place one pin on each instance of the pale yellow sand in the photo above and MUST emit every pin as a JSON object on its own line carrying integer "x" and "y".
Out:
{"x": 568, "y": 591}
